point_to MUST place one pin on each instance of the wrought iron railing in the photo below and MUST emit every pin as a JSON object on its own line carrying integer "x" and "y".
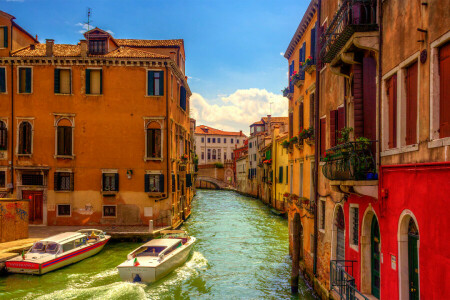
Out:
{"x": 342, "y": 282}
{"x": 353, "y": 16}
{"x": 350, "y": 161}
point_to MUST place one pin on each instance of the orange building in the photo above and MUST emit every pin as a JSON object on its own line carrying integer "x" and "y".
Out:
{"x": 97, "y": 132}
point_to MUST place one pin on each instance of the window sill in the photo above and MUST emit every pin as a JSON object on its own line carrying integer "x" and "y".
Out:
{"x": 25, "y": 93}
{"x": 63, "y": 94}
{"x": 63, "y": 216}
{"x": 24, "y": 155}
{"x": 109, "y": 193}
{"x": 153, "y": 159}
{"x": 94, "y": 95}
{"x": 63, "y": 191}
{"x": 401, "y": 150}
{"x": 439, "y": 142}
{"x": 156, "y": 194}
{"x": 153, "y": 96}
{"x": 64, "y": 156}
{"x": 109, "y": 217}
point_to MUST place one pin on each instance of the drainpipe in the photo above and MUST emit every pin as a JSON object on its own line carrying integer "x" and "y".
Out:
{"x": 380, "y": 68}
{"x": 12, "y": 115}
{"x": 316, "y": 135}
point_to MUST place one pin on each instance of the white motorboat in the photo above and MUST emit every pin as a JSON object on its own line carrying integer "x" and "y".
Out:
{"x": 58, "y": 251}
{"x": 157, "y": 258}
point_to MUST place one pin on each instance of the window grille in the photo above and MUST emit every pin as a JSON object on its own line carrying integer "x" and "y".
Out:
{"x": 355, "y": 227}
{"x": 63, "y": 209}
{"x": 63, "y": 181}
{"x": 109, "y": 210}
{"x": 32, "y": 179}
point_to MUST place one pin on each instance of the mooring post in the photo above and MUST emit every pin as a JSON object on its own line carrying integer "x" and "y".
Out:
{"x": 295, "y": 254}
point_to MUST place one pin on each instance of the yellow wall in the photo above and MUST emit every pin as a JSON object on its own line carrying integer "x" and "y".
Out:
{"x": 280, "y": 159}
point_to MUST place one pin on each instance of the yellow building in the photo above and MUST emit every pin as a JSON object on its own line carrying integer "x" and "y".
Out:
{"x": 301, "y": 94}
{"x": 280, "y": 171}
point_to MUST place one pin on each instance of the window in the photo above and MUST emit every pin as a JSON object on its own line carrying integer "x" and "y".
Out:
{"x": 250, "y": 145}
{"x": 183, "y": 98}
{"x": 237, "y": 141}
{"x": 323, "y": 126}
{"x": 280, "y": 175}
{"x": 2, "y": 79}
{"x": 4, "y": 37}
{"x": 25, "y": 138}
{"x": 203, "y": 140}
{"x": 444, "y": 88}
{"x": 2, "y": 179}
{"x": 287, "y": 174}
{"x": 203, "y": 155}
{"x": 232, "y": 141}
{"x": 63, "y": 181}
{"x": 391, "y": 93}
{"x": 322, "y": 214}
{"x": 155, "y": 83}
{"x": 354, "y": 225}
{"x": 3, "y": 136}
{"x": 214, "y": 140}
{"x": 214, "y": 154}
{"x": 219, "y": 154}
{"x": 64, "y": 210}
{"x": 224, "y": 155}
{"x": 154, "y": 183}
{"x": 97, "y": 47}
{"x": 411, "y": 104}
{"x": 291, "y": 124}
{"x": 63, "y": 81}
{"x": 94, "y": 81}
{"x": 312, "y": 195}
{"x": 337, "y": 123}
{"x": 224, "y": 140}
{"x": 25, "y": 81}
{"x": 174, "y": 182}
{"x": 209, "y": 154}
{"x": 64, "y": 138}
{"x": 311, "y": 110}
{"x": 209, "y": 140}
{"x": 109, "y": 211}
{"x": 300, "y": 117}
{"x": 300, "y": 192}
{"x": 218, "y": 140}
{"x": 32, "y": 179}
{"x": 153, "y": 140}
{"x": 110, "y": 182}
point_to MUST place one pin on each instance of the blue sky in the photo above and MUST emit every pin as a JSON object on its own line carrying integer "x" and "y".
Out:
{"x": 233, "y": 48}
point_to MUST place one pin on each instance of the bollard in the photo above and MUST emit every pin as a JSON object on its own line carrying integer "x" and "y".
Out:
{"x": 150, "y": 226}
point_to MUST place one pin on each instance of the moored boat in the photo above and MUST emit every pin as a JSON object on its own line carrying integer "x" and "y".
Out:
{"x": 58, "y": 251}
{"x": 157, "y": 258}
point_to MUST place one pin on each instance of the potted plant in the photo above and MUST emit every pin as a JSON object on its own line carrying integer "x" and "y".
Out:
{"x": 298, "y": 78}
{"x": 285, "y": 144}
{"x": 286, "y": 92}
{"x": 309, "y": 65}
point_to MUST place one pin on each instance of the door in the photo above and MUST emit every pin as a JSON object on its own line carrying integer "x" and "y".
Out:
{"x": 375, "y": 254}
{"x": 35, "y": 214}
{"x": 413, "y": 267}
{"x": 340, "y": 229}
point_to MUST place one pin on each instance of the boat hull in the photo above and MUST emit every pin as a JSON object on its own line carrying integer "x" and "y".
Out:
{"x": 29, "y": 267}
{"x": 152, "y": 274}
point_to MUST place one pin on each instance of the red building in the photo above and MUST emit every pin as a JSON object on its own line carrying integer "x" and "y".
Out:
{"x": 237, "y": 153}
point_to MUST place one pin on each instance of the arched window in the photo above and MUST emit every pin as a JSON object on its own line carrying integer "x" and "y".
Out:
{"x": 3, "y": 136}
{"x": 153, "y": 140}
{"x": 25, "y": 138}
{"x": 64, "y": 138}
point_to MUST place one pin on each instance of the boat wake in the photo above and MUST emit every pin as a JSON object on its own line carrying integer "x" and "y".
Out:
{"x": 86, "y": 280}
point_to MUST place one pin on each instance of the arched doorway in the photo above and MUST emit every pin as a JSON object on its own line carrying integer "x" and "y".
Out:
{"x": 339, "y": 234}
{"x": 408, "y": 267}
{"x": 370, "y": 254}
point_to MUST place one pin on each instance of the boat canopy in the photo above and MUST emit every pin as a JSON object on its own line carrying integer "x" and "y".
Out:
{"x": 64, "y": 237}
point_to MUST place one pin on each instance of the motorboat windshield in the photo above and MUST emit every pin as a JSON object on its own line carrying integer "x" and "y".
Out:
{"x": 38, "y": 247}
{"x": 52, "y": 248}
{"x": 150, "y": 251}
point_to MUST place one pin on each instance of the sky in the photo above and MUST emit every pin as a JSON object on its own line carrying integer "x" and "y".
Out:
{"x": 234, "y": 49}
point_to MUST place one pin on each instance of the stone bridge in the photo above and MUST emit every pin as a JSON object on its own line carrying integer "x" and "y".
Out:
{"x": 210, "y": 182}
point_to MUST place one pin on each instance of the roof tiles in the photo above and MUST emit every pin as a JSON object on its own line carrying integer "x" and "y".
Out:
{"x": 202, "y": 129}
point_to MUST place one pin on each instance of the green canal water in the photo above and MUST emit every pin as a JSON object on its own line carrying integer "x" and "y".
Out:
{"x": 241, "y": 253}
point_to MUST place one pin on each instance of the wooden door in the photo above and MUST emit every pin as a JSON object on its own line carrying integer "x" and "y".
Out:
{"x": 375, "y": 254}
{"x": 413, "y": 267}
{"x": 35, "y": 214}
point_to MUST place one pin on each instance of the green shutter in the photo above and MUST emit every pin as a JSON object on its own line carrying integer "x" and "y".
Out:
{"x": 28, "y": 80}
{"x": 57, "y": 81}
{"x": 5, "y": 34}
{"x": 150, "y": 80}
{"x": 101, "y": 82}
{"x": 280, "y": 175}
{"x": 2, "y": 80}
{"x": 88, "y": 81}
{"x": 161, "y": 83}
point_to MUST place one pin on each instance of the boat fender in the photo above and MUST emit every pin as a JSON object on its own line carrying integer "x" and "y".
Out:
{"x": 137, "y": 278}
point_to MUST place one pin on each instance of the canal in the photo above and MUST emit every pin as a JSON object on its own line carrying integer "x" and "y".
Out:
{"x": 241, "y": 252}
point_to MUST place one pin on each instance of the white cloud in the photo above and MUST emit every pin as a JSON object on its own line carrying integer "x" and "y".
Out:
{"x": 237, "y": 111}
{"x": 85, "y": 28}
{"x": 282, "y": 53}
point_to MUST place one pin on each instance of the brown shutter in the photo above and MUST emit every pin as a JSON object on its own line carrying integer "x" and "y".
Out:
{"x": 358, "y": 99}
{"x": 369, "y": 98}
{"x": 149, "y": 143}
{"x": 392, "y": 97}
{"x": 411, "y": 104}
{"x": 333, "y": 127}
{"x": 311, "y": 110}
{"x": 444, "y": 101}
{"x": 29, "y": 132}
{"x": 291, "y": 124}
{"x": 300, "y": 117}
{"x": 340, "y": 121}
{"x": 67, "y": 140}
{"x": 323, "y": 126}
{"x": 60, "y": 140}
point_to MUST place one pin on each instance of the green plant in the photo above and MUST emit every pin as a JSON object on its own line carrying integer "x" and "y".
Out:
{"x": 345, "y": 134}
{"x": 362, "y": 143}
{"x": 218, "y": 165}
{"x": 285, "y": 144}
{"x": 293, "y": 140}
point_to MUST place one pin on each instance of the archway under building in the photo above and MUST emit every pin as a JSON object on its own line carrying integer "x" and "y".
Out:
{"x": 338, "y": 235}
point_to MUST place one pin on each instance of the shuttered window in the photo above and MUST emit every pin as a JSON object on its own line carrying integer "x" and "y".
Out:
{"x": 391, "y": 91}
{"x": 4, "y": 37}
{"x": 155, "y": 83}
{"x": 2, "y": 80}
{"x": 323, "y": 127}
{"x": 183, "y": 97}
{"x": 174, "y": 182}
{"x": 110, "y": 182}
{"x": 188, "y": 180}
{"x": 312, "y": 51}
{"x": 291, "y": 124}
{"x": 444, "y": 88}
{"x": 300, "y": 117}
{"x": 64, "y": 140}
{"x": 94, "y": 82}
{"x": 2, "y": 179}
{"x": 154, "y": 183}
{"x": 153, "y": 143}
{"x": 287, "y": 174}
{"x": 411, "y": 104}
{"x": 311, "y": 109}
{"x": 3, "y": 136}
{"x": 25, "y": 136}
{"x": 357, "y": 90}
{"x": 340, "y": 122}
{"x": 291, "y": 71}
{"x": 25, "y": 80}
{"x": 333, "y": 127}
{"x": 280, "y": 175}
{"x": 62, "y": 81}
{"x": 63, "y": 181}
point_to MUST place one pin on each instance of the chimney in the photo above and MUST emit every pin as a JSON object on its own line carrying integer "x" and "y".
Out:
{"x": 49, "y": 47}
{"x": 240, "y": 133}
{"x": 83, "y": 45}
{"x": 269, "y": 119}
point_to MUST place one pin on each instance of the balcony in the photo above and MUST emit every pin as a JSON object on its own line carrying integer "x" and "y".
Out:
{"x": 298, "y": 79}
{"x": 353, "y": 17}
{"x": 342, "y": 282}
{"x": 351, "y": 168}
{"x": 309, "y": 65}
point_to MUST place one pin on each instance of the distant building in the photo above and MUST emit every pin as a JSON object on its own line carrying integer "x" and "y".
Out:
{"x": 214, "y": 145}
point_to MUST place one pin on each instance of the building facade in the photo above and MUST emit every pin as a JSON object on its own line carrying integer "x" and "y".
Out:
{"x": 97, "y": 132}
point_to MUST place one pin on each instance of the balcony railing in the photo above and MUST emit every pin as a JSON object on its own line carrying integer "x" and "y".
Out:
{"x": 299, "y": 78}
{"x": 350, "y": 161}
{"x": 342, "y": 282}
{"x": 353, "y": 16}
